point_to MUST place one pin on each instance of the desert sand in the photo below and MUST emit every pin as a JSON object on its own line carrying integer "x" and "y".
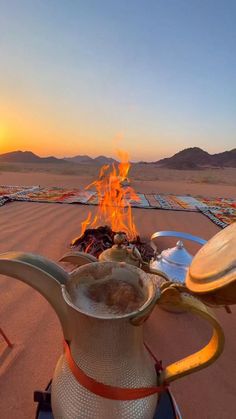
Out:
{"x": 32, "y": 325}
{"x": 144, "y": 178}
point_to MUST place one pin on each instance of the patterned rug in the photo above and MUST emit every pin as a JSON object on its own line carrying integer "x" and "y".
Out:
{"x": 176, "y": 202}
{"x": 3, "y": 200}
{"x": 9, "y": 193}
{"x": 222, "y": 211}
{"x": 142, "y": 201}
{"x": 56, "y": 195}
{"x": 216, "y": 219}
{"x": 9, "y": 190}
{"x": 166, "y": 202}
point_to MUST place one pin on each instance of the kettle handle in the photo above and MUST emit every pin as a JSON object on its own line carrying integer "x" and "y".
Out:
{"x": 178, "y": 235}
{"x": 205, "y": 356}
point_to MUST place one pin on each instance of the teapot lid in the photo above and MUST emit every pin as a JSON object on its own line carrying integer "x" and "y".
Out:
{"x": 214, "y": 266}
{"x": 118, "y": 254}
{"x": 177, "y": 255}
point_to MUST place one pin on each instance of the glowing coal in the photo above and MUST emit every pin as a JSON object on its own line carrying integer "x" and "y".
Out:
{"x": 96, "y": 240}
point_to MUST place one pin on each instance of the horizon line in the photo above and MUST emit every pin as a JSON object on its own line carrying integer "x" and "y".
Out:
{"x": 102, "y": 155}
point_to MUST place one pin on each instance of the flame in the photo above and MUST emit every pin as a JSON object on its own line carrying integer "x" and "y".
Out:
{"x": 85, "y": 223}
{"x": 114, "y": 208}
{"x": 124, "y": 165}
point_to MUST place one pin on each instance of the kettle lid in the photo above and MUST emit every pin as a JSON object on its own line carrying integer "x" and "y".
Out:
{"x": 214, "y": 266}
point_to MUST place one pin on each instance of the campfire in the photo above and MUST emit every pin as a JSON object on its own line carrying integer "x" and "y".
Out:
{"x": 114, "y": 213}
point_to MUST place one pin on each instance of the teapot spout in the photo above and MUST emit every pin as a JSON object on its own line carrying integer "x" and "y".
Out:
{"x": 41, "y": 274}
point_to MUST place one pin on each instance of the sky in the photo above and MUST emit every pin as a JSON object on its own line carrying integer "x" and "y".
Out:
{"x": 92, "y": 76}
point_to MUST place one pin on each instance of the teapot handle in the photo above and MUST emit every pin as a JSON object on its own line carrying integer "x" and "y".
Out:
{"x": 205, "y": 356}
{"x": 178, "y": 235}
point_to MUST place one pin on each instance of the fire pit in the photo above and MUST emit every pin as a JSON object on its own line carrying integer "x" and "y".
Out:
{"x": 96, "y": 240}
{"x": 114, "y": 214}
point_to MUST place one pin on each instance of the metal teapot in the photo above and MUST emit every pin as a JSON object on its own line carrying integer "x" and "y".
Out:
{"x": 105, "y": 368}
{"x": 120, "y": 252}
{"x": 173, "y": 263}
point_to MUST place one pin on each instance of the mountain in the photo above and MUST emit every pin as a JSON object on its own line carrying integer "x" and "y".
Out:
{"x": 26, "y": 157}
{"x": 227, "y": 158}
{"x": 196, "y": 158}
{"x": 188, "y": 159}
{"x": 20, "y": 156}
{"x": 29, "y": 157}
{"x": 79, "y": 159}
{"x": 100, "y": 160}
{"x": 104, "y": 160}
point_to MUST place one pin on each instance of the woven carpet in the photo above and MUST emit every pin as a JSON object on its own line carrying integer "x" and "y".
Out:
{"x": 9, "y": 193}
{"x": 55, "y": 195}
{"x": 222, "y": 211}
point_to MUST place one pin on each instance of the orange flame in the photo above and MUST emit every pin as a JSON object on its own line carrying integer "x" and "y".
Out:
{"x": 114, "y": 208}
{"x": 124, "y": 165}
{"x": 85, "y": 223}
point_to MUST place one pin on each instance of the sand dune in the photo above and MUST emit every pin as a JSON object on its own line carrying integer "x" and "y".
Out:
{"x": 32, "y": 325}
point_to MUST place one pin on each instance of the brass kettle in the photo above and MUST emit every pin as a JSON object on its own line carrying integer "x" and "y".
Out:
{"x": 119, "y": 252}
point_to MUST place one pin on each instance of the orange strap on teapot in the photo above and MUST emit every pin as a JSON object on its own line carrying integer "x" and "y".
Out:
{"x": 107, "y": 391}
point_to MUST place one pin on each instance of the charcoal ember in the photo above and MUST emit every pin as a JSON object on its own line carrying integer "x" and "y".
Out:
{"x": 96, "y": 240}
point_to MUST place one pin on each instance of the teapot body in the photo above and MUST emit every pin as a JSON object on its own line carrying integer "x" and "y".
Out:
{"x": 106, "y": 343}
{"x": 111, "y": 352}
{"x": 173, "y": 263}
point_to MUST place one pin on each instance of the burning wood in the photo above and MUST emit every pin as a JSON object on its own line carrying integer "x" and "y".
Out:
{"x": 114, "y": 200}
{"x": 114, "y": 213}
{"x": 96, "y": 240}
